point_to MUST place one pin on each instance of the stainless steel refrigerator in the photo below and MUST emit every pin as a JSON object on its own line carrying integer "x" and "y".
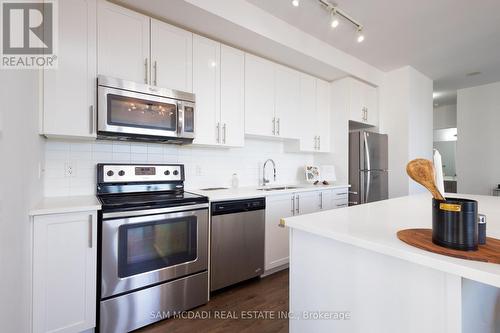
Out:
{"x": 368, "y": 167}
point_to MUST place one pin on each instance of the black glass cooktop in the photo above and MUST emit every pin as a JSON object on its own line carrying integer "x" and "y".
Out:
{"x": 149, "y": 200}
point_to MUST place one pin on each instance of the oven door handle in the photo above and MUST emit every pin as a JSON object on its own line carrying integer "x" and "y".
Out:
{"x": 143, "y": 212}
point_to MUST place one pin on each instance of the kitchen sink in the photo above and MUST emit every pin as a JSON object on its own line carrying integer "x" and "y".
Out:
{"x": 278, "y": 188}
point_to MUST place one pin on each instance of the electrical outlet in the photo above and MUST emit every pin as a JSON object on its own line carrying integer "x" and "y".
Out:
{"x": 69, "y": 170}
{"x": 198, "y": 171}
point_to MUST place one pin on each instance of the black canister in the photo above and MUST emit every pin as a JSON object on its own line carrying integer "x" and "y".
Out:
{"x": 454, "y": 223}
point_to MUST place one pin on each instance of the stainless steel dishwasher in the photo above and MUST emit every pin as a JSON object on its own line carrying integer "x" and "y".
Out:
{"x": 237, "y": 241}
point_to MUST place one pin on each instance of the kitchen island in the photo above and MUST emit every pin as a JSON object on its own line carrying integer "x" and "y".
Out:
{"x": 349, "y": 271}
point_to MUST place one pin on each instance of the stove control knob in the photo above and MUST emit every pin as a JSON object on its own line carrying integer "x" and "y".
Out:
{"x": 176, "y": 172}
{"x": 167, "y": 173}
{"x": 121, "y": 173}
{"x": 110, "y": 173}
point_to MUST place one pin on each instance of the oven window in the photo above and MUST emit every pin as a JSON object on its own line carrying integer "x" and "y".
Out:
{"x": 144, "y": 247}
{"x": 134, "y": 112}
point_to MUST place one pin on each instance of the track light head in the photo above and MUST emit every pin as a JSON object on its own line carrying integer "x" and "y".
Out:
{"x": 335, "y": 20}
{"x": 360, "y": 37}
{"x": 295, "y": 3}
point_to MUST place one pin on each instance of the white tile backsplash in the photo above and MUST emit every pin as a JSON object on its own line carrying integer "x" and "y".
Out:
{"x": 204, "y": 166}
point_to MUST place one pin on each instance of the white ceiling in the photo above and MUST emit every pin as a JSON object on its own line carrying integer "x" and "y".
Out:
{"x": 444, "y": 39}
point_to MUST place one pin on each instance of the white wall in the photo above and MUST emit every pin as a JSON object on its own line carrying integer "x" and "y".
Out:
{"x": 445, "y": 116}
{"x": 205, "y": 167}
{"x": 406, "y": 116}
{"x": 478, "y": 158}
{"x": 21, "y": 151}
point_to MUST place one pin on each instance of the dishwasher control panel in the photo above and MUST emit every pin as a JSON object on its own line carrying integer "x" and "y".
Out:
{"x": 236, "y": 206}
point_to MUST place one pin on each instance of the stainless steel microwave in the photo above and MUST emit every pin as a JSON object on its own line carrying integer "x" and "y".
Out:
{"x": 133, "y": 111}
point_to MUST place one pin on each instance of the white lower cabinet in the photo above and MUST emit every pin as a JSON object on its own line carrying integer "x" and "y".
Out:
{"x": 276, "y": 251}
{"x": 293, "y": 204}
{"x": 64, "y": 272}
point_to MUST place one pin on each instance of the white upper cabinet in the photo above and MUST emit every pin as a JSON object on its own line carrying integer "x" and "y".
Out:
{"x": 64, "y": 272}
{"x": 171, "y": 57}
{"x": 323, "y": 115}
{"x": 259, "y": 96}
{"x": 69, "y": 91}
{"x": 287, "y": 110}
{"x": 123, "y": 43}
{"x": 232, "y": 92}
{"x": 206, "y": 86}
{"x": 307, "y": 103}
{"x": 363, "y": 102}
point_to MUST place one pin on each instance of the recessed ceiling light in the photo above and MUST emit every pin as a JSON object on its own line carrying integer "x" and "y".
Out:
{"x": 295, "y": 3}
{"x": 473, "y": 73}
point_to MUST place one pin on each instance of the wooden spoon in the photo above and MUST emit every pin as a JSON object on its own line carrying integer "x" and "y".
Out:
{"x": 422, "y": 171}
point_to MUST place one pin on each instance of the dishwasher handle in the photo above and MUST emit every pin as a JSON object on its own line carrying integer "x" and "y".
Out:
{"x": 238, "y": 206}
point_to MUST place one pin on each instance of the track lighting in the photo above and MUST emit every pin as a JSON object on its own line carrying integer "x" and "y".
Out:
{"x": 336, "y": 14}
{"x": 295, "y": 3}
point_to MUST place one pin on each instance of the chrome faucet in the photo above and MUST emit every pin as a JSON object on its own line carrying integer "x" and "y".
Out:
{"x": 264, "y": 179}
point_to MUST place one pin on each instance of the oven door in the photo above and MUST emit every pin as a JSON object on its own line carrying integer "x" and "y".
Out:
{"x": 127, "y": 113}
{"x": 144, "y": 250}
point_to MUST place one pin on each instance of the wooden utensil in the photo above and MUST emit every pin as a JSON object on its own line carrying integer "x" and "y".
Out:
{"x": 422, "y": 171}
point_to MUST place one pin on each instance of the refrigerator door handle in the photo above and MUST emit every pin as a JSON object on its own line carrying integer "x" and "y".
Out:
{"x": 367, "y": 151}
{"x": 368, "y": 180}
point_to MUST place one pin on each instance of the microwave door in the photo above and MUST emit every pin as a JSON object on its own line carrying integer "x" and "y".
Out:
{"x": 123, "y": 112}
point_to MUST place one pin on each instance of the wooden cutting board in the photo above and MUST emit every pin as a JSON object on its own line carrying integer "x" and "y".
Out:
{"x": 422, "y": 238}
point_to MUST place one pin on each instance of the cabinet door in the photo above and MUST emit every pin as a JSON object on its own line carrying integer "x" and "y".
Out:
{"x": 232, "y": 104}
{"x": 64, "y": 272}
{"x": 307, "y": 105}
{"x": 326, "y": 199}
{"x": 276, "y": 250}
{"x": 288, "y": 113}
{"x": 259, "y": 96}
{"x": 356, "y": 100}
{"x": 323, "y": 115}
{"x": 69, "y": 90}
{"x": 371, "y": 104}
{"x": 123, "y": 43}
{"x": 307, "y": 202}
{"x": 171, "y": 56}
{"x": 206, "y": 86}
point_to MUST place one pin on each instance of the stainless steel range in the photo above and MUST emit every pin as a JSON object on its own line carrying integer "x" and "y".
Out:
{"x": 153, "y": 245}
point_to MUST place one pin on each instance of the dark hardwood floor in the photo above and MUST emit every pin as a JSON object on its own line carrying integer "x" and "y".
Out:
{"x": 268, "y": 297}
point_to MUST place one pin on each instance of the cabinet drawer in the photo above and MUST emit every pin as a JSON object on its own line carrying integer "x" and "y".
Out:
{"x": 340, "y": 203}
{"x": 341, "y": 193}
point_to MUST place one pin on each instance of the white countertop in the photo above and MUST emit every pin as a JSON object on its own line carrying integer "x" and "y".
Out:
{"x": 254, "y": 192}
{"x": 58, "y": 205}
{"x": 373, "y": 227}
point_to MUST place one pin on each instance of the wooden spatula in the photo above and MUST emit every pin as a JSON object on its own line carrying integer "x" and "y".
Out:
{"x": 422, "y": 171}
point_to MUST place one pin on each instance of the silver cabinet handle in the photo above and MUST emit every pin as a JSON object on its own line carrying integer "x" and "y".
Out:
{"x": 342, "y": 193}
{"x": 92, "y": 117}
{"x": 217, "y": 135}
{"x": 341, "y": 205}
{"x": 298, "y": 204}
{"x": 320, "y": 200}
{"x": 224, "y": 133}
{"x": 146, "y": 70}
{"x": 315, "y": 143}
{"x": 293, "y": 205}
{"x": 278, "y": 130}
{"x": 274, "y": 125}
{"x": 155, "y": 68}
{"x": 91, "y": 240}
{"x": 319, "y": 142}
{"x": 353, "y": 192}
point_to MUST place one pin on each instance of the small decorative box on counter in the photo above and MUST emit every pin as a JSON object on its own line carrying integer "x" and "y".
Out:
{"x": 455, "y": 223}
